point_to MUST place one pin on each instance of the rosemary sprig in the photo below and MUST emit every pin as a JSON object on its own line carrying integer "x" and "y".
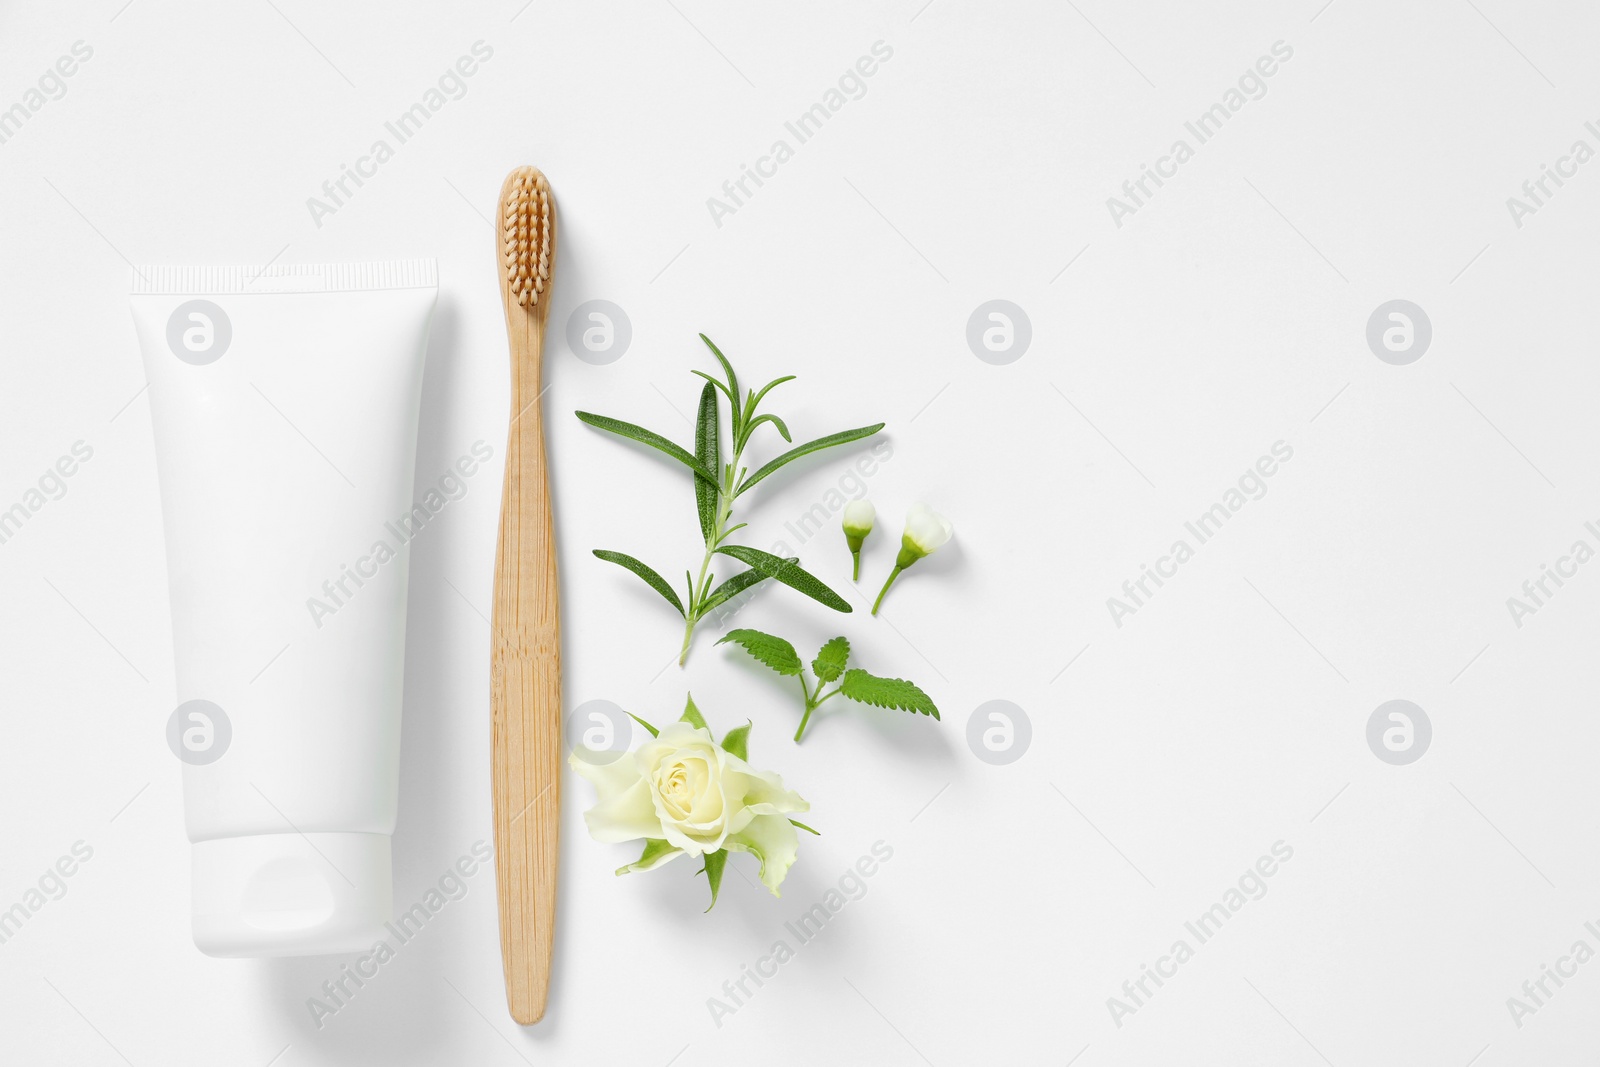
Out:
{"x": 717, "y": 484}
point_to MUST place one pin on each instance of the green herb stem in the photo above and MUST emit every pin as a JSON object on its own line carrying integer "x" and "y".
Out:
{"x": 716, "y": 486}
{"x": 688, "y": 635}
{"x": 701, "y": 588}
{"x": 892, "y": 576}
{"x": 806, "y": 693}
{"x": 813, "y": 702}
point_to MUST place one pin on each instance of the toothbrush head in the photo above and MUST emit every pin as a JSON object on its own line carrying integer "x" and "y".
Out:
{"x": 526, "y": 235}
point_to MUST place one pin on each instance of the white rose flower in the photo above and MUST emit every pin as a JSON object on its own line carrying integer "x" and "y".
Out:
{"x": 926, "y": 532}
{"x": 859, "y": 516}
{"x": 686, "y": 795}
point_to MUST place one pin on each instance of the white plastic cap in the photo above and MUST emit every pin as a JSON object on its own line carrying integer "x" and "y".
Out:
{"x": 291, "y": 894}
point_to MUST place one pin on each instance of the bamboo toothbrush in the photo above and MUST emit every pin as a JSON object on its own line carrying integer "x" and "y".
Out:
{"x": 525, "y": 679}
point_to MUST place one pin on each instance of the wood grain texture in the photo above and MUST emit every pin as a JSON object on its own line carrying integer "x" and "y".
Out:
{"x": 525, "y": 682}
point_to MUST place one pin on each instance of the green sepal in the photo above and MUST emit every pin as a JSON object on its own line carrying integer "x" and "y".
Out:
{"x": 692, "y": 716}
{"x": 737, "y": 742}
{"x": 715, "y": 862}
{"x": 656, "y": 852}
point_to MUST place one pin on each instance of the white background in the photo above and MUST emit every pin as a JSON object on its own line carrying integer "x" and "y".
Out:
{"x": 1229, "y": 713}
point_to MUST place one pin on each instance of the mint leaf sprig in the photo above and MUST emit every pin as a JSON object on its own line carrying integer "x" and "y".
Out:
{"x": 830, "y": 666}
{"x": 716, "y": 486}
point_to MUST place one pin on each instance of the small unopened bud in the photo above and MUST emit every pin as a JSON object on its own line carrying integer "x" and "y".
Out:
{"x": 858, "y": 518}
{"x": 926, "y": 532}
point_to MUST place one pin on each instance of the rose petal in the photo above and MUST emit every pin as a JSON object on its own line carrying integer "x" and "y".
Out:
{"x": 772, "y": 840}
{"x": 608, "y": 778}
{"x": 764, "y": 794}
{"x": 625, "y": 816}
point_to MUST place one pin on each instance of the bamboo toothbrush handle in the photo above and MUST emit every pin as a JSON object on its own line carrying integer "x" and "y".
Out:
{"x": 525, "y": 685}
{"x": 525, "y": 707}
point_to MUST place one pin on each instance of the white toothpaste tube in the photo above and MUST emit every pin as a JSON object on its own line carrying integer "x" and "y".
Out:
{"x": 284, "y": 401}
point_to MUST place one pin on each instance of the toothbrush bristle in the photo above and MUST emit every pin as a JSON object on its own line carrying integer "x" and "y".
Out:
{"x": 525, "y": 219}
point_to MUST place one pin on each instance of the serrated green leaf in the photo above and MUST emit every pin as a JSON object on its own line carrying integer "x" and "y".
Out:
{"x": 653, "y": 731}
{"x": 708, "y": 450}
{"x": 775, "y": 652}
{"x": 692, "y": 716}
{"x": 843, "y": 437}
{"x": 789, "y": 572}
{"x": 804, "y": 827}
{"x": 737, "y": 742}
{"x": 648, "y": 437}
{"x": 715, "y": 863}
{"x": 643, "y": 570}
{"x": 656, "y": 852}
{"x": 830, "y": 662}
{"x": 730, "y": 589}
{"x": 896, "y": 693}
{"x": 733, "y": 385}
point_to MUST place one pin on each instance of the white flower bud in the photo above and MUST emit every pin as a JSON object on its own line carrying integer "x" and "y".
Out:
{"x": 858, "y": 518}
{"x": 926, "y": 531}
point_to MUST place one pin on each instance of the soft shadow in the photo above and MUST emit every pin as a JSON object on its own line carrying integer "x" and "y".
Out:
{"x": 951, "y": 559}
{"x": 395, "y": 1015}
